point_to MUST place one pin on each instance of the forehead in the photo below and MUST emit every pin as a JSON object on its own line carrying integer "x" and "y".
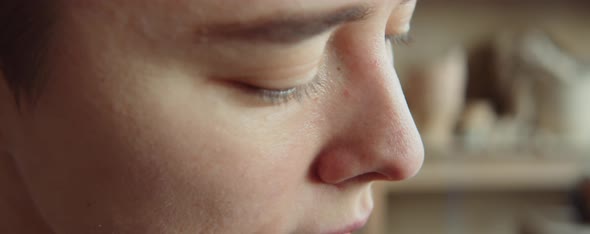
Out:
{"x": 213, "y": 10}
{"x": 175, "y": 19}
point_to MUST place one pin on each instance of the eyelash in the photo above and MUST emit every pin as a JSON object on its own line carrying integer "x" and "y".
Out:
{"x": 400, "y": 39}
{"x": 279, "y": 96}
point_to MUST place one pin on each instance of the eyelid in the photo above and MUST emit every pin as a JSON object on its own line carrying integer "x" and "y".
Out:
{"x": 313, "y": 87}
{"x": 280, "y": 96}
{"x": 400, "y": 18}
{"x": 270, "y": 93}
{"x": 394, "y": 27}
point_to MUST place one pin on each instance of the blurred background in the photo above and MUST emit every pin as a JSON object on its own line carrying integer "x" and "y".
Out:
{"x": 500, "y": 91}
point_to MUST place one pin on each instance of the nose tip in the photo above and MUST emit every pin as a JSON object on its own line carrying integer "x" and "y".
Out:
{"x": 393, "y": 156}
{"x": 397, "y": 153}
{"x": 373, "y": 136}
{"x": 406, "y": 161}
{"x": 376, "y": 138}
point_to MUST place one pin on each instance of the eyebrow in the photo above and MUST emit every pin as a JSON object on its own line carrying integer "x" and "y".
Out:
{"x": 285, "y": 29}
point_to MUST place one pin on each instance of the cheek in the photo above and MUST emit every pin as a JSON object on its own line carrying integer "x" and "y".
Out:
{"x": 228, "y": 143}
{"x": 161, "y": 147}
{"x": 244, "y": 164}
{"x": 223, "y": 150}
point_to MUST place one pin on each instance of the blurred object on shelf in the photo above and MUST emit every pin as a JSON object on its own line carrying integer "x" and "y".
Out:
{"x": 561, "y": 90}
{"x": 436, "y": 97}
{"x": 476, "y": 124}
{"x": 522, "y": 90}
{"x": 514, "y": 83}
{"x": 481, "y": 129}
{"x": 545, "y": 88}
{"x": 510, "y": 135}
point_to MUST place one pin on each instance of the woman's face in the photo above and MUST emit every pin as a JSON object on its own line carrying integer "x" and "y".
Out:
{"x": 230, "y": 116}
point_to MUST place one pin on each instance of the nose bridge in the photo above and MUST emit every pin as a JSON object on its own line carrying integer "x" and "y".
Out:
{"x": 374, "y": 133}
{"x": 391, "y": 143}
{"x": 386, "y": 140}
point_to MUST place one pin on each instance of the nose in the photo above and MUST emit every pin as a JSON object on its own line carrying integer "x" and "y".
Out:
{"x": 374, "y": 136}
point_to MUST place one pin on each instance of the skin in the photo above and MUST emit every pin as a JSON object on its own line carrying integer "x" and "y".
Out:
{"x": 141, "y": 129}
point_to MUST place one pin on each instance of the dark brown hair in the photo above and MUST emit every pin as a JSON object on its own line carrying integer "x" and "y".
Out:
{"x": 24, "y": 35}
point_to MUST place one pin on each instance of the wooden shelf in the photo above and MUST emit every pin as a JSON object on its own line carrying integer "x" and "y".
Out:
{"x": 498, "y": 172}
{"x": 495, "y": 173}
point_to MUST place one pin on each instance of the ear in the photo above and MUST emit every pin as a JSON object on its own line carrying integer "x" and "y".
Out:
{"x": 8, "y": 114}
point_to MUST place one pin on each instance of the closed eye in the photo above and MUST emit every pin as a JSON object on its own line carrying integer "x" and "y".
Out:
{"x": 399, "y": 39}
{"x": 281, "y": 96}
{"x": 317, "y": 85}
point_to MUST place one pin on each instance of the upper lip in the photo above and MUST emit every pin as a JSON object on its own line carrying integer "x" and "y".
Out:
{"x": 351, "y": 227}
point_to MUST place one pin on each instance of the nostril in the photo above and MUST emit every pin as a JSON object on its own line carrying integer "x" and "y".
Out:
{"x": 372, "y": 176}
{"x": 341, "y": 165}
{"x": 365, "y": 178}
{"x": 401, "y": 171}
{"x": 410, "y": 166}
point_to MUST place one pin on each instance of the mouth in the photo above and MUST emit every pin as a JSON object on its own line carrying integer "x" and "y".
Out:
{"x": 353, "y": 227}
